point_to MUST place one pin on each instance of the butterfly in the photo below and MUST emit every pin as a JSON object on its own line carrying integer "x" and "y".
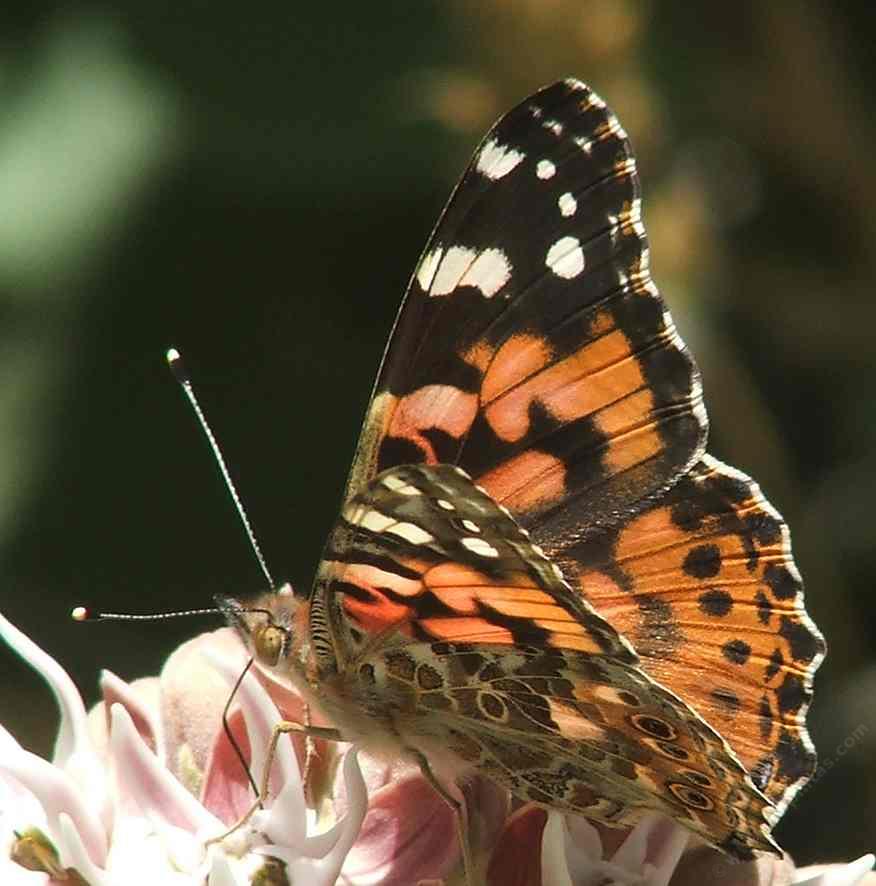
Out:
{"x": 538, "y": 574}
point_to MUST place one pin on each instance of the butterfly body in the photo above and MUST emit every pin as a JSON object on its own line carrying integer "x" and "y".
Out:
{"x": 537, "y": 574}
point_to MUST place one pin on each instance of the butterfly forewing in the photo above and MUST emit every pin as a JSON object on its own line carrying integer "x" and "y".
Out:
{"x": 422, "y": 551}
{"x": 532, "y": 348}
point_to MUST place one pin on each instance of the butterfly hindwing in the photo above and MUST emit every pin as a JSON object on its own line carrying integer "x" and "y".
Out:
{"x": 532, "y": 348}
{"x": 704, "y": 586}
{"x": 590, "y": 735}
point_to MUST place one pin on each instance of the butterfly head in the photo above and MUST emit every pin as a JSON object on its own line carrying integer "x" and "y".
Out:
{"x": 267, "y": 627}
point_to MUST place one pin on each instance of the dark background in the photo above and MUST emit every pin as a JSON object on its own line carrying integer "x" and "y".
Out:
{"x": 253, "y": 184}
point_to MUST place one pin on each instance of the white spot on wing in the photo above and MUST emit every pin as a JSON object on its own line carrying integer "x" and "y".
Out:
{"x": 566, "y": 258}
{"x": 411, "y": 532}
{"x": 396, "y": 484}
{"x": 428, "y": 267}
{"x": 697, "y": 404}
{"x": 471, "y": 526}
{"x": 457, "y": 260}
{"x": 495, "y": 160}
{"x": 489, "y": 272}
{"x": 373, "y": 520}
{"x": 443, "y": 503}
{"x": 480, "y": 547}
{"x": 568, "y": 204}
{"x": 545, "y": 169}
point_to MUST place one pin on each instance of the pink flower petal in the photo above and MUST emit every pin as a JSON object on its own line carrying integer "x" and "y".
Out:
{"x": 145, "y": 784}
{"x": 517, "y": 857}
{"x": 324, "y": 870}
{"x": 652, "y": 849}
{"x": 193, "y": 696}
{"x": 74, "y": 854}
{"x": 408, "y": 834}
{"x": 261, "y": 715}
{"x": 487, "y": 806}
{"x": 574, "y": 851}
{"x": 226, "y": 790}
{"x": 117, "y": 691}
{"x": 58, "y": 795}
{"x": 73, "y": 749}
{"x": 73, "y": 729}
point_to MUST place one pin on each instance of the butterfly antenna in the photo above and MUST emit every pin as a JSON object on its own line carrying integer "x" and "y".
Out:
{"x": 83, "y": 613}
{"x": 177, "y": 367}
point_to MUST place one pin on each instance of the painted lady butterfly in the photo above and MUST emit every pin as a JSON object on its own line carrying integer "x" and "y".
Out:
{"x": 538, "y": 574}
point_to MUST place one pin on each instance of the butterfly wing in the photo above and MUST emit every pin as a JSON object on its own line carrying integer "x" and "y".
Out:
{"x": 532, "y": 348}
{"x": 424, "y": 553}
{"x": 704, "y": 585}
{"x": 438, "y": 601}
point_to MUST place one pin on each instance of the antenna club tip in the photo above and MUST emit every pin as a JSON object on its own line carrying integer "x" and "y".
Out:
{"x": 177, "y": 367}
{"x": 81, "y": 613}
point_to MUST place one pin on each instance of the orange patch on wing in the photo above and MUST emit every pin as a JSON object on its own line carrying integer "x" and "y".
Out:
{"x": 433, "y": 406}
{"x": 454, "y": 575}
{"x": 467, "y": 630}
{"x": 519, "y": 358}
{"x": 578, "y": 639}
{"x": 378, "y": 613}
{"x": 597, "y": 374}
{"x": 600, "y": 373}
{"x": 479, "y": 355}
{"x": 632, "y": 449}
{"x": 526, "y": 482}
{"x": 463, "y": 589}
{"x": 630, "y": 441}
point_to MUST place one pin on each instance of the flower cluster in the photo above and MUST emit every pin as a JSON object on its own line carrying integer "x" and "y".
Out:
{"x": 147, "y": 788}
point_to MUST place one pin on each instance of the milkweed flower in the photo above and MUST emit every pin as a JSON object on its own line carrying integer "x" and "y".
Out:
{"x": 656, "y": 852}
{"x": 138, "y": 790}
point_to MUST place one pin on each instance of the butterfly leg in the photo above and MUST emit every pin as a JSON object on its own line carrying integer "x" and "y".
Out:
{"x": 309, "y": 753}
{"x": 284, "y": 727}
{"x": 457, "y": 807}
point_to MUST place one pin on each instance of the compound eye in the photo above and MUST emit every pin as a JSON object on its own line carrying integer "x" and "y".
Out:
{"x": 268, "y": 644}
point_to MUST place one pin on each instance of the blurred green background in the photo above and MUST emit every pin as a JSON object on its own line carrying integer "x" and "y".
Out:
{"x": 254, "y": 185}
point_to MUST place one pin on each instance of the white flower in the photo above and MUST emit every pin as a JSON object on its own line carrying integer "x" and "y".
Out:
{"x": 108, "y": 807}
